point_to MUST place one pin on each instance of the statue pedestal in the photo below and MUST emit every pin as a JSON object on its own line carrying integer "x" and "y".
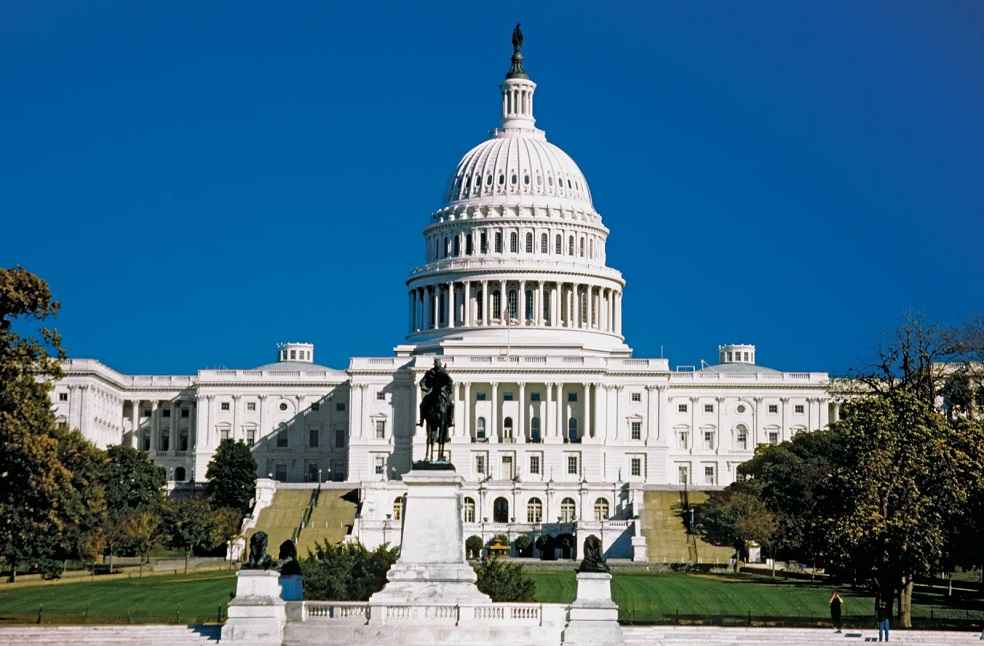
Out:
{"x": 593, "y": 617}
{"x": 432, "y": 567}
{"x": 257, "y": 614}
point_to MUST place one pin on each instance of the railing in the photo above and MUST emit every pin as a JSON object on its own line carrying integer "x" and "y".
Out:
{"x": 527, "y": 614}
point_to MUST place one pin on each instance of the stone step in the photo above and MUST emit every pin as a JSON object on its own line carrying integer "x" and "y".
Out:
{"x": 151, "y": 635}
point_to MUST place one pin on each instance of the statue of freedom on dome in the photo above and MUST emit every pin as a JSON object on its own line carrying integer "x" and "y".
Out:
{"x": 437, "y": 410}
{"x": 517, "y": 38}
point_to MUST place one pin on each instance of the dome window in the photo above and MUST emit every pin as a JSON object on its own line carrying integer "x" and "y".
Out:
{"x": 526, "y": 180}
{"x": 488, "y": 180}
{"x": 549, "y": 181}
{"x": 539, "y": 180}
{"x": 569, "y": 184}
{"x": 513, "y": 178}
{"x": 502, "y": 180}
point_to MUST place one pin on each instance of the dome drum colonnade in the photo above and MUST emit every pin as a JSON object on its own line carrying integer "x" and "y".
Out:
{"x": 518, "y": 242}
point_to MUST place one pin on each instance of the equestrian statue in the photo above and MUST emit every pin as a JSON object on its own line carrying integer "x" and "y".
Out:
{"x": 437, "y": 410}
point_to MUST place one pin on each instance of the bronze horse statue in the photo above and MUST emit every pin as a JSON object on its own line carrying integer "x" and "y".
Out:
{"x": 437, "y": 410}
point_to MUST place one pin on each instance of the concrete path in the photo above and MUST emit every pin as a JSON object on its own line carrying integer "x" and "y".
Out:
{"x": 711, "y": 636}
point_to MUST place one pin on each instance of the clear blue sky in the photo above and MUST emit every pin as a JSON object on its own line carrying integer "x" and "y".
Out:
{"x": 199, "y": 180}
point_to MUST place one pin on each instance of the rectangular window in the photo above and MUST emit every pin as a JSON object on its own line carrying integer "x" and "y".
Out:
{"x": 381, "y": 395}
{"x": 380, "y": 467}
{"x": 339, "y": 438}
{"x": 535, "y": 464}
{"x": 63, "y": 397}
{"x": 507, "y": 397}
{"x": 682, "y": 408}
{"x": 380, "y": 429}
{"x": 166, "y": 412}
{"x": 340, "y": 407}
{"x": 683, "y": 474}
{"x": 282, "y": 440}
{"x": 709, "y": 475}
{"x": 534, "y": 397}
{"x": 636, "y": 467}
{"x": 799, "y": 408}
{"x": 250, "y": 437}
{"x": 742, "y": 440}
{"x": 185, "y": 413}
{"x": 313, "y": 438}
{"x": 498, "y": 242}
{"x": 708, "y": 408}
{"x": 773, "y": 438}
{"x": 485, "y": 242}
{"x": 572, "y": 397}
{"x": 684, "y": 438}
{"x": 225, "y": 405}
{"x": 480, "y": 464}
{"x": 572, "y": 465}
{"x": 773, "y": 408}
{"x": 507, "y": 468}
{"x": 281, "y": 472}
{"x": 636, "y": 430}
{"x": 637, "y": 397}
{"x": 479, "y": 397}
{"x": 316, "y": 406}
{"x": 250, "y": 405}
{"x": 709, "y": 440}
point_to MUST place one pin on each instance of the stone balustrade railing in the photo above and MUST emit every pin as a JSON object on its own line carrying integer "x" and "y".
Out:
{"x": 356, "y": 612}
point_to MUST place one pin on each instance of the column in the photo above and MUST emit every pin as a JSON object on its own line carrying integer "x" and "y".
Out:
{"x": 83, "y": 407}
{"x": 785, "y": 416}
{"x": 756, "y": 417}
{"x": 493, "y": 431}
{"x": 547, "y": 416}
{"x": 521, "y": 422}
{"x": 651, "y": 413}
{"x": 467, "y": 318}
{"x": 466, "y": 412}
{"x": 135, "y": 423}
{"x": 235, "y": 416}
{"x": 452, "y": 308}
{"x": 154, "y": 426}
{"x": 587, "y": 411}
{"x": 412, "y": 298}
{"x": 540, "y": 310}
{"x": 435, "y": 306}
{"x": 485, "y": 303}
{"x": 560, "y": 410}
{"x": 521, "y": 303}
{"x": 618, "y": 313}
{"x": 503, "y": 303}
{"x": 555, "y": 305}
{"x": 570, "y": 306}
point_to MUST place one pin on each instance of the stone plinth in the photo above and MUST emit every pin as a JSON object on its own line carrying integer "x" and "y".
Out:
{"x": 593, "y": 617}
{"x": 432, "y": 567}
{"x": 257, "y": 614}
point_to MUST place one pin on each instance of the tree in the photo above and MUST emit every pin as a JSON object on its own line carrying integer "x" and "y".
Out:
{"x": 523, "y": 545}
{"x": 139, "y": 529}
{"x": 32, "y": 477}
{"x": 504, "y": 581}
{"x": 474, "y": 546}
{"x": 189, "y": 524}
{"x": 83, "y": 504}
{"x": 232, "y": 476}
{"x": 901, "y": 475}
{"x": 736, "y": 517}
{"x": 133, "y": 484}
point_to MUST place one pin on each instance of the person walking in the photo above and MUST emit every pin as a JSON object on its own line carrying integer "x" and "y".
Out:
{"x": 836, "y": 603}
{"x": 883, "y": 613}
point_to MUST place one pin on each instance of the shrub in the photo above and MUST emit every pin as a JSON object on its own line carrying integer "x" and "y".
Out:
{"x": 346, "y": 572}
{"x": 504, "y": 581}
{"x": 473, "y": 547}
{"x": 523, "y": 545}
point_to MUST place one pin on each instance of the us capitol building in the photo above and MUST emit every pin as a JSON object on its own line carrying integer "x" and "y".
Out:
{"x": 555, "y": 419}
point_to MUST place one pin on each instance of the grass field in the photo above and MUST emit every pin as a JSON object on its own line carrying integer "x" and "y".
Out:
{"x": 642, "y": 598}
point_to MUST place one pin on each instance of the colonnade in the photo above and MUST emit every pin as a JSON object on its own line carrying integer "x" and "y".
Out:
{"x": 498, "y": 303}
{"x": 160, "y": 436}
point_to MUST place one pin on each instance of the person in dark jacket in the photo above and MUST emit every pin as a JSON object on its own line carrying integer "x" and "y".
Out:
{"x": 836, "y": 605}
{"x": 883, "y": 613}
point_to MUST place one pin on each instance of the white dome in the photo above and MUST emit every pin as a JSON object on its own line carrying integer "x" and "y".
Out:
{"x": 519, "y": 163}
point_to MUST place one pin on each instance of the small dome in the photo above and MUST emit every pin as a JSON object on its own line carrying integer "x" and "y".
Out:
{"x": 519, "y": 163}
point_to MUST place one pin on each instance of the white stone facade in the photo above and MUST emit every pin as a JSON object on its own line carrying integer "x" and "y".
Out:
{"x": 556, "y": 422}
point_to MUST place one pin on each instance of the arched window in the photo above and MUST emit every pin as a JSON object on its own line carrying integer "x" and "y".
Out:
{"x": 447, "y": 247}
{"x": 529, "y": 243}
{"x": 572, "y": 429}
{"x": 568, "y": 510}
{"x": 585, "y": 297}
{"x": 469, "y": 250}
{"x": 480, "y": 428}
{"x": 496, "y": 305}
{"x": 500, "y": 511}
{"x": 183, "y": 439}
{"x": 544, "y": 243}
{"x": 601, "y": 509}
{"x": 559, "y": 246}
{"x": 469, "y": 510}
{"x": 570, "y": 246}
{"x": 513, "y": 242}
{"x": 456, "y": 246}
{"x": 591, "y": 248}
{"x": 582, "y": 247}
{"x": 498, "y": 241}
{"x": 165, "y": 440}
{"x": 180, "y": 475}
{"x": 534, "y": 511}
{"x": 513, "y": 306}
{"x": 507, "y": 429}
{"x": 398, "y": 508}
{"x": 535, "y": 429}
{"x": 529, "y": 305}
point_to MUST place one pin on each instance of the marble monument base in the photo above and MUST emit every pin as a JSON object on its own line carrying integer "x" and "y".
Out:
{"x": 592, "y": 619}
{"x": 256, "y": 616}
{"x": 432, "y": 567}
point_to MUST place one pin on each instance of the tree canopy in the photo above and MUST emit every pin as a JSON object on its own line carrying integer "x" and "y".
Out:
{"x": 232, "y": 476}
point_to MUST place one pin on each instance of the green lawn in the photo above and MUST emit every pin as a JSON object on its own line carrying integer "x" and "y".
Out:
{"x": 644, "y": 598}
{"x": 196, "y": 598}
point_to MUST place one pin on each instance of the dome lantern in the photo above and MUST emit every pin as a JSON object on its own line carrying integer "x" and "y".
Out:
{"x": 517, "y": 90}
